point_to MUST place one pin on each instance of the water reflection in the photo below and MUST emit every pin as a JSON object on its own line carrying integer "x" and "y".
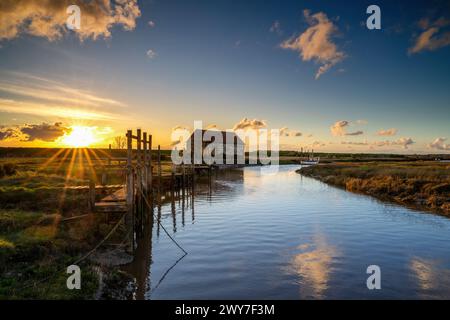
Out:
{"x": 432, "y": 280}
{"x": 246, "y": 222}
{"x": 314, "y": 266}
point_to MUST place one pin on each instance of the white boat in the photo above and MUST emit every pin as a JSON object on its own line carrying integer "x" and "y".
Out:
{"x": 310, "y": 161}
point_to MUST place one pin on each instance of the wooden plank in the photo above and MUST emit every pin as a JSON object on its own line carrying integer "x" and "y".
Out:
{"x": 91, "y": 196}
{"x": 119, "y": 195}
{"x": 111, "y": 207}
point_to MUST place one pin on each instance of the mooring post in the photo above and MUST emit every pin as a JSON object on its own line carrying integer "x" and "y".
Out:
{"x": 193, "y": 180}
{"x": 209, "y": 179}
{"x": 183, "y": 176}
{"x": 130, "y": 188}
{"x": 145, "y": 169}
{"x": 150, "y": 172}
{"x": 91, "y": 199}
{"x": 139, "y": 179}
{"x": 109, "y": 155}
{"x": 172, "y": 183}
{"x": 159, "y": 168}
{"x": 150, "y": 161}
{"x": 145, "y": 177}
{"x": 104, "y": 177}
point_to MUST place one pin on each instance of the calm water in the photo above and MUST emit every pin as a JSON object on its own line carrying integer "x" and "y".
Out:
{"x": 291, "y": 237}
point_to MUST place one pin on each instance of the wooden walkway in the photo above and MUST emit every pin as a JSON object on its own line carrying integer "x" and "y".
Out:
{"x": 143, "y": 181}
{"x": 117, "y": 201}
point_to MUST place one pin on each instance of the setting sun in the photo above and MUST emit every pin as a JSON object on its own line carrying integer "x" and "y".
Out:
{"x": 79, "y": 136}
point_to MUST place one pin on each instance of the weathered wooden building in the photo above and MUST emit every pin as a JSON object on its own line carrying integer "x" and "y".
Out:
{"x": 218, "y": 148}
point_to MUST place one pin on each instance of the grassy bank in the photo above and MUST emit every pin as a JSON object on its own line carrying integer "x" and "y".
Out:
{"x": 422, "y": 184}
{"x": 39, "y": 237}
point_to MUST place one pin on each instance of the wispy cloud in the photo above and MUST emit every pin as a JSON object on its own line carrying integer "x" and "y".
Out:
{"x": 48, "y": 18}
{"x": 30, "y": 94}
{"x": 355, "y": 143}
{"x": 286, "y": 132}
{"x": 315, "y": 43}
{"x": 44, "y": 89}
{"x": 388, "y": 132}
{"x": 276, "y": 28}
{"x": 432, "y": 36}
{"x": 42, "y": 109}
{"x": 402, "y": 142}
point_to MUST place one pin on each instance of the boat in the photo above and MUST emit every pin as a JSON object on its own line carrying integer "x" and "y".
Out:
{"x": 310, "y": 162}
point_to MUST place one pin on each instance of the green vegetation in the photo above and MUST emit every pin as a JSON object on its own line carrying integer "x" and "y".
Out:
{"x": 423, "y": 184}
{"x": 38, "y": 240}
{"x": 35, "y": 249}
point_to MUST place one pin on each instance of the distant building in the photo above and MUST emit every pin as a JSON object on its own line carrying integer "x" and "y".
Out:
{"x": 232, "y": 148}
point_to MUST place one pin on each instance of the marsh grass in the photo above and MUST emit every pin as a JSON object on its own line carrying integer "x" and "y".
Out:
{"x": 425, "y": 184}
{"x": 35, "y": 244}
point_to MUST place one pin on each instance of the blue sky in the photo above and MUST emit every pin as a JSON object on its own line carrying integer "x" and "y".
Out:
{"x": 219, "y": 62}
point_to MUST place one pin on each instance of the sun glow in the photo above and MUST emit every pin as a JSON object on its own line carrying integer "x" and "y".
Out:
{"x": 79, "y": 137}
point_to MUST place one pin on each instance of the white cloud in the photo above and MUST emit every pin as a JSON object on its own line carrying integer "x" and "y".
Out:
{"x": 439, "y": 144}
{"x": 245, "y": 124}
{"x": 48, "y": 19}
{"x": 151, "y": 24}
{"x": 315, "y": 43}
{"x": 339, "y": 128}
{"x": 151, "y": 54}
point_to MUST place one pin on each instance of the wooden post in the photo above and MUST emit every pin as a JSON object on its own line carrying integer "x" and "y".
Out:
{"x": 193, "y": 180}
{"x": 183, "y": 177}
{"x": 130, "y": 188}
{"x": 159, "y": 168}
{"x": 209, "y": 179}
{"x": 109, "y": 159}
{"x": 172, "y": 183}
{"x": 150, "y": 173}
{"x": 150, "y": 178}
{"x": 139, "y": 180}
{"x": 91, "y": 195}
{"x": 104, "y": 177}
{"x": 145, "y": 167}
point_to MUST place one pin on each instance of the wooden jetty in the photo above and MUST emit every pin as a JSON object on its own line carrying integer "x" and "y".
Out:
{"x": 144, "y": 183}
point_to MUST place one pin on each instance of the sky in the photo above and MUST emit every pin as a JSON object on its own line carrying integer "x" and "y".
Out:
{"x": 310, "y": 68}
